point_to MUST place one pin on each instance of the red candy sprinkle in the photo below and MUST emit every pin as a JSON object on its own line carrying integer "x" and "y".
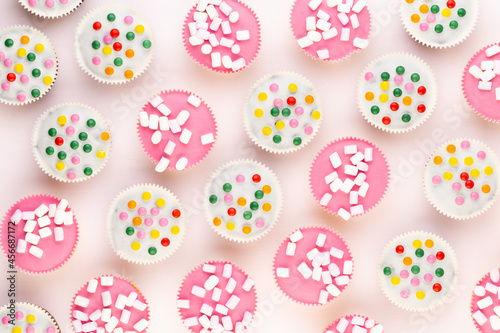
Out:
{"x": 437, "y": 287}
{"x": 386, "y": 120}
{"x": 464, "y": 176}
{"x": 421, "y": 108}
{"x": 97, "y": 25}
{"x": 11, "y": 77}
{"x": 117, "y": 46}
{"x": 176, "y": 213}
{"x": 291, "y": 101}
{"x": 421, "y": 90}
{"x": 440, "y": 255}
{"x": 400, "y": 249}
{"x": 256, "y": 178}
{"x": 451, "y": 4}
{"x": 114, "y": 33}
{"x": 165, "y": 242}
{"x": 469, "y": 184}
{"x": 59, "y": 141}
{"x": 231, "y": 211}
{"x": 394, "y": 106}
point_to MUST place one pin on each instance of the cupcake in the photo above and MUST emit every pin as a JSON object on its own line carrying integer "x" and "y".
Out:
{"x": 50, "y": 8}
{"x": 331, "y": 30}
{"x": 485, "y": 303}
{"x": 397, "y": 92}
{"x": 354, "y": 324}
{"x": 145, "y": 224}
{"x": 109, "y": 303}
{"x": 480, "y": 84}
{"x": 42, "y": 233}
{"x": 461, "y": 178}
{"x": 71, "y": 142}
{"x": 349, "y": 177}
{"x": 418, "y": 271}
{"x": 313, "y": 266}
{"x": 243, "y": 200}
{"x": 223, "y": 36}
{"x": 29, "y": 63}
{"x": 21, "y": 317}
{"x": 217, "y": 297}
{"x": 114, "y": 44}
{"x": 439, "y": 24}
{"x": 282, "y": 112}
{"x": 177, "y": 130}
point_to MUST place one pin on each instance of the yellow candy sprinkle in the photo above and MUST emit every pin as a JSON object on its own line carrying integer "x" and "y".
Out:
{"x": 47, "y": 80}
{"x": 60, "y": 166}
{"x": 453, "y": 161}
{"x": 246, "y": 230}
{"x": 438, "y": 160}
{"x": 39, "y": 48}
{"x": 217, "y": 221}
{"x": 132, "y": 204}
{"x": 280, "y": 125}
{"x": 258, "y": 113}
{"x": 242, "y": 201}
{"x": 107, "y": 50}
{"x": 104, "y": 136}
{"x": 30, "y": 318}
{"x": 488, "y": 171}
{"x": 292, "y": 87}
{"x": 395, "y": 280}
{"x": 266, "y": 189}
{"x": 451, "y": 149}
{"x": 429, "y": 243}
{"x": 448, "y": 176}
{"x": 424, "y": 9}
{"x": 25, "y": 39}
{"x": 17, "y": 330}
{"x": 383, "y": 98}
{"x": 175, "y": 230}
{"x": 18, "y": 68}
{"x": 468, "y": 161}
{"x": 417, "y": 244}
{"x": 309, "y": 99}
{"x": 474, "y": 173}
{"x": 129, "y": 53}
{"x": 139, "y": 29}
{"x": 385, "y": 85}
{"x": 160, "y": 202}
{"x": 407, "y": 261}
{"x": 420, "y": 294}
{"x": 21, "y": 52}
{"x": 486, "y": 189}
{"x": 267, "y": 131}
{"x": 136, "y": 246}
{"x": 407, "y": 100}
{"x": 155, "y": 234}
{"x": 129, "y": 74}
{"x": 61, "y": 120}
{"x": 266, "y": 207}
{"x": 316, "y": 115}
{"x": 415, "y": 18}
{"x": 369, "y": 96}
{"x": 446, "y": 12}
{"x": 230, "y": 226}
{"x": 262, "y": 96}
{"x": 101, "y": 154}
{"x": 146, "y": 196}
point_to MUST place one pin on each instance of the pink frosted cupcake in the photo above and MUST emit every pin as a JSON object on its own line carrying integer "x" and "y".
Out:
{"x": 349, "y": 177}
{"x": 481, "y": 83}
{"x": 217, "y": 297}
{"x": 354, "y": 324}
{"x": 485, "y": 303}
{"x": 51, "y": 8}
{"x": 25, "y": 317}
{"x": 222, "y": 35}
{"x": 177, "y": 130}
{"x": 109, "y": 304}
{"x": 331, "y": 30}
{"x": 45, "y": 233}
{"x": 313, "y": 266}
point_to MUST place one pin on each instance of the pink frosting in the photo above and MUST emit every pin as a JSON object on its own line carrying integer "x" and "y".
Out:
{"x": 338, "y": 49}
{"x": 368, "y": 324}
{"x": 482, "y": 101}
{"x": 296, "y": 286}
{"x": 201, "y": 121}
{"x": 54, "y": 253}
{"x": 249, "y": 48}
{"x": 377, "y": 175}
{"x": 248, "y": 299}
{"x": 489, "y": 310}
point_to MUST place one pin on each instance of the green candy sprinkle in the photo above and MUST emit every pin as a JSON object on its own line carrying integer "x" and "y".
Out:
{"x": 247, "y": 215}
{"x": 415, "y": 77}
{"x": 111, "y": 17}
{"x": 31, "y": 57}
{"x": 152, "y": 251}
{"x": 254, "y": 205}
{"x": 61, "y": 155}
{"x": 400, "y": 70}
{"x": 419, "y": 253}
{"x": 130, "y": 35}
{"x": 118, "y": 62}
{"x": 397, "y": 92}
{"x": 9, "y": 42}
{"x": 435, "y": 9}
{"x": 276, "y": 139}
{"x": 453, "y": 25}
{"x": 87, "y": 171}
{"x": 74, "y": 144}
{"x": 91, "y": 123}
{"x": 212, "y": 199}
{"x": 275, "y": 112}
{"x": 146, "y": 44}
{"x": 387, "y": 271}
{"x": 49, "y": 151}
{"x": 87, "y": 148}
{"x": 96, "y": 45}
{"x": 385, "y": 76}
{"x": 297, "y": 141}
{"x": 375, "y": 109}
{"x": 83, "y": 136}
{"x": 35, "y": 93}
{"x": 438, "y": 28}
{"x": 259, "y": 194}
{"x": 227, "y": 187}
{"x": 461, "y": 12}
{"x": 439, "y": 272}
{"x": 415, "y": 269}
{"x": 130, "y": 231}
{"x": 52, "y": 132}
{"x": 36, "y": 72}
{"x": 286, "y": 112}
{"x": 406, "y": 118}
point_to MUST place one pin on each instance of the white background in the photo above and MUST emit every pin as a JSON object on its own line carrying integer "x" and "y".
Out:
{"x": 403, "y": 209}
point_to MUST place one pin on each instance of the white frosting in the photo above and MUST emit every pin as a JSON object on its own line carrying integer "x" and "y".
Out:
{"x": 58, "y": 7}
{"x": 42, "y": 322}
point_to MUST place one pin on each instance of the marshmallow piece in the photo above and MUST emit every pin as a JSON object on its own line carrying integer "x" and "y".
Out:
{"x": 32, "y": 238}
{"x": 131, "y": 299}
{"x": 342, "y": 280}
{"x": 484, "y": 85}
{"x": 227, "y": 62}
{"x": 310, "y": 23}
{"x": 479, "y": 291}
{"x": 334, "y": 270}
{"x": 194, "y": 101}
{"x": 106, "y": 298}
{"x": 497, "y": 67}
{"x": 221, "y": 309}
{"x": 377, "y": 329}
{"x": 139, "y": 305}
{"x": 480, "y": 317}
{"x": 207, "y": 139}
{"x": 156, "y": 101}
{"x": 325, "y": 200}
{"x": 282, "y": 272}
{"x": 234, "y": 17}
{"x": 206, "y": 49}
{"x": 68, "y": 218}
{"x": 487, "y": 75}
{"x": 216, "y": 294}
{"x": 203, "y": 34}
{"x": 336, "y": 185}
{"x": 62, "y": 205}
{"x": 204, "y": 322}
{"x": 226, "y": 27}
{"x": 345, "y": 34}
{"x": 232, "y": 302}
{"x": 95, "y": 315}
{"x": 336, "y": 253}
{"x": 143, "y": 119}
{"x": 360, "y": 179}
{"x": 343, "y": 18}
{"x": 209, "y": 268}
{"x": 490, "y": 64}
{"x": 181, "y": 163}
{"x": 92, "y": 286}
{"x": 360, "y": 43}
{"x": 79, "y": 315}
{"x": 153, "y": 121}
{"x": 320, "y": 241}
{"x": 330, "y": 34}
{"x": 206, "y": 309}
{"x": 347, "y": 185}
{"x": 344, "y": 214}
{"x": 342, "y": 325}
{"x": 198, "y": 291}
{"x": 213, "y": 41}
{"x": 183, "y": 303}
{"x": 198, "y": 16}
{"x": 185, "y": 136}
{"x": 497, "y": 94}
{"x": 216, "y": 59}
{"x": 322, "y": 15}
{"x": 491, "y": 288}
{"x": 343, "y": 8}
{"x": 358, "y": 6}
{"x": 335, "y": 160}
{"x": 120, "y": 302}
{"x": 195, "y": 41}
{"x": 323, "y": 54}
{"x": 368, "y": 154}
{"x": 359, "y": 329}
{"x": 358, "y": 321}
{"x": 331, "y": 177}
{"x": 350, "y": 170}
{"x": 212, "y": 12}
{"x": 296, "y": 236}
{"x": 45, "y": 232}
{"x": 333, "y": 290}
{"x": 362, "y": 166}
{"x": 356, "y": 158}
{"x": 169, "y": 148}
{"x": 495, "y": 275}
{"x": 491, "y": 51}
{"x": 496, "y": 309}
{"x": 238, "y": 64}
{"x": 357, "y": 210}
{"x": 495, "y": 322}
{"x": 163, "y": 124}
{"x": 225, "y": 8}
{"x": 311, "y": 254}
{"x": 236, "y": 49}
{"x": 248, "y": 284}
{"x": 226, "y": 42}
{"x": 125, "y": 317}
{"x": 16, "y": 217}
{"x": 242, "y": 35}
{"x": 304, "y": 42}
{"x": 192, "y": 321}
{"x": 314, "y": 36}
{"x": 227, "y": 271}
{"x": 314, "y": 4}
{"x": 41, "y": 210}
{"x": 475, "y": 71}
{"x": 29, "y": 226}
{"x": 107, "y": 281}
{"x": 192, "y": 26}
{"x": 215, "y": 25}
{"x": 231, "y": 285}
{"x": 174, "y": 126}
{"x": 354, "y": 21}
{"x": 21, "y": 246}
{"x": 82, "y": 301}
{"x": 156, "y": 137}
{"x": 326, "y": 277}
{"x": 211, "y": 282}
{"x": 162, "y": 164}
{"x": 290, "y": 249}
{"x": 77, "y": 326}
{"x": 141, "y": 325}
{"x": 484, "y": 302}
{"x": 316, "y": 275}
{"x": 363, "y": 189}
{"x": 304, "y": 270}
{"x": 347, "y": 270}
{"x": 28, "y": 215}
{"x": 227, "y": 323}
{"x": 353, "y": 198}
{"x": 350, "y": 149}
{"x": 323, "y": 25}
{"x": 106, "y": 315}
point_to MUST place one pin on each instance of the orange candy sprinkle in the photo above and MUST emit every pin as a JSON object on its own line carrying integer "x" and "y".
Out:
{"x": 451, "y": 149}
{"x": 132, "y": 204}
{"x": 407, "y": 261}
{"x": 486, "y": 188}
{"x": 129, "y": 53}
{"x": 129, "y": 74}
{"x": 415, "y": 18}
{"x": 109, "y": 70}
{"x": 137, "y": 221}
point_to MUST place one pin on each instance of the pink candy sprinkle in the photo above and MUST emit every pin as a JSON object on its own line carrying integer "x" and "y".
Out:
{"x": 299, "y": 111}
{"x": 2, "y": 55}
{"x": 19, "y": 315}
{"x": 368, "y": 76}
{"x": 228, "y": 198}
{"x": 51, "y": 329}
{"x": 415, "y": 282}
{"x": 75, "y": 118}
{"x": 141, "y": 234}
{"x": 278, "y": 102}
{"x": 7, "y": 62}
{"x": 21, "y": 97}
{"x": 5, "y": 86}
{"x": 96, "y": 60}
{"x": 424, "y": 26}
{"x": 63, "y": 2}
{"x": 155, "y": 211}
{"x": 404, "y": 274}
{"x": 70, "y": 130}
{"x": 405, "y": 294}
{"x": 49, "y": 3}
{"x": 123, "y": 216}
{"x": 49, "y": 63}
{"x": 5, "y": 320}
{"x": 474, "y": 195}
{"x": 294, "y": 123}
{"x": 148, "y": 221}
{"x": 129, "y": 19}
{"x": 431, "y": 18}
{"x": 436, "y": 180}
{"x": 409, "y": 86}
{"x": 107, "y": 39}
{"x": 75, "y": 160}
{"x": 30, "y": 329}
{"x": 465, "y": 145}
{"x": 456, "y": 186}
{"x": 25, "y": 78}
{"x": 142, "y": 211}
{"x": 428, "y": 277}
{"x": 163, "y": 222}
{"x": 308, "y": 130}
{"x": 459, "y": 200}
{"x": 32, "y": 3}
{"x": 259, "y": 223}
{"x": 71, "y": 175}
{"x": 274, "y": 87}
{"x": 431, "y": 259}
{"x": 481, "y": 155}
{"x": 398, "y": 79}
{"x": 240, "y": 179}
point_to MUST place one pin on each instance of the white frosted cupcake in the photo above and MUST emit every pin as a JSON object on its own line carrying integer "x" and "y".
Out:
{"x": 50, "y": 8}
